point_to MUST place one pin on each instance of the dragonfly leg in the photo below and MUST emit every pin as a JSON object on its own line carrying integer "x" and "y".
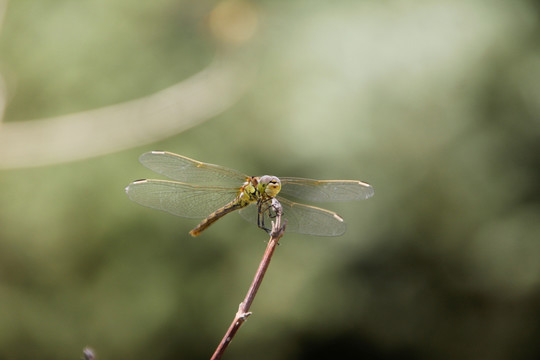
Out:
{"x": 260, "y": 222}
{"x": 270, "y": 208}
{"x": 264, "y": 208}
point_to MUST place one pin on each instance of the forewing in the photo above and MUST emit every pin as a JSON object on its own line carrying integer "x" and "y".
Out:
{"x": 301, "y": 218}
{"x": 186, "y": 200}
{"x": 187, "y": 170}
{"x": 325, "y": 190}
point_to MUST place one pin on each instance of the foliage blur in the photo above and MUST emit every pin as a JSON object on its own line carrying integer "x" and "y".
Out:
{"x": 436, "y": 104}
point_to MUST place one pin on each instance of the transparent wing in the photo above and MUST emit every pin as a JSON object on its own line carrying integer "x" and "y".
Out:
{"x": 325, "y": 190}
{"x": 302, "y": 219}
{"x": 186, "y": 200}
{"x": 187, "y": 170}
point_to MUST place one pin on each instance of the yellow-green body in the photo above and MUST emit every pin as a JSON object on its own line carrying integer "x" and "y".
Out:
{"x": 254, "y": 190}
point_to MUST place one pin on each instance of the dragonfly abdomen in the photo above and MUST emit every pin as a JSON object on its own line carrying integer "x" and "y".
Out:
{"x": 218, "y": 214}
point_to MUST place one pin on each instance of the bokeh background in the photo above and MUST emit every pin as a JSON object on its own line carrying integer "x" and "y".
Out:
{"x": 435, "y": 103}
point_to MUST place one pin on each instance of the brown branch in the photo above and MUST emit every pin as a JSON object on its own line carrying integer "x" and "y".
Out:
{"x": 243, "y": 309}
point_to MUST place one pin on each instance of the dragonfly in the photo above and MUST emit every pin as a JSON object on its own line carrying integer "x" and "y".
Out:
{"x": 201, "y": 190}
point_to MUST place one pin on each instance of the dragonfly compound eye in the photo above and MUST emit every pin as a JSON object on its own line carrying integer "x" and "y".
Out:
{"x": 270, "y": 185}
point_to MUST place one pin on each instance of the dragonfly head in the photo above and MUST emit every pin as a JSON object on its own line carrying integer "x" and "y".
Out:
{"x": 269, "y": 185}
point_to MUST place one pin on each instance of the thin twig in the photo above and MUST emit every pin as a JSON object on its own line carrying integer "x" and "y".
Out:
{"x": 243, "y": 309}
{"x": 88, "y": 354}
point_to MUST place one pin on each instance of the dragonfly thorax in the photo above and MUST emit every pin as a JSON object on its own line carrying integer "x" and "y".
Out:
{"x": 248, "y": 191}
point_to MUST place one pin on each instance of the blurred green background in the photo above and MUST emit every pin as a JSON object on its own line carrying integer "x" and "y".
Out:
{"x": 436, "y": 104}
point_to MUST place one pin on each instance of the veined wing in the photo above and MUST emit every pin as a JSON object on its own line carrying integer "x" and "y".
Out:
{"x": 311, "y": 220}
{"x": 186, "y": 200}
{"x": 304, "y": 219}
{"x": 187, "y": 170}
{"x": 325, "y": 190}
